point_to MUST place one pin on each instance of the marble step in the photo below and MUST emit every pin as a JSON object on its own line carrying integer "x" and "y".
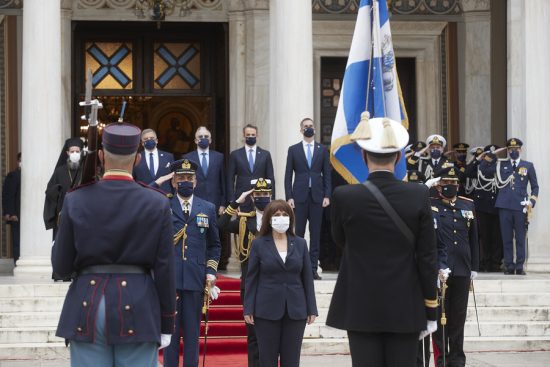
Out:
{"x": 541, "y": 313}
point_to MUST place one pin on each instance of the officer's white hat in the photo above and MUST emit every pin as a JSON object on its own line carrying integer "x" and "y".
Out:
{"x": 436, "y": 139}
{"x": 380, "y": 135}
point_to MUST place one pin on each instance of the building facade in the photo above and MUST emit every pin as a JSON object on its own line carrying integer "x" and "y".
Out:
{"x": 472, "y": 70}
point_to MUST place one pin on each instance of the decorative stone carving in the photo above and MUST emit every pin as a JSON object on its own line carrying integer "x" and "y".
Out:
{"x": 425, "y": 7}
{"x": 11, "y": 4}
{"x": 132, "y": 4}
{"x": 476, "y": 5}
{"x": 334, "y": 6}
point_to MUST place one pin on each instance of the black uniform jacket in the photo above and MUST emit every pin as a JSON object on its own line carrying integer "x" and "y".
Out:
{"x": 116, "y": 221}
{"x": 273, "y": 286}
{"x": 246, "y": 237}
{"x": 457, "y": 241}
{"x": 385, "y": 283}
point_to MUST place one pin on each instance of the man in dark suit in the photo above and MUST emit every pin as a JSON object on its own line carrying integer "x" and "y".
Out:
{"x": 154, "y": 166}
{"x": 514, "y": 202}
{"x": 386, "y": 292}
{"x": 11, "y": 205}
{"x": 115, "y": 234}
{"x": 308, "y": 162}
{"x": 210, "y": 177}
{"x": 197, "y": 253}
{"x": 248, "y": 163}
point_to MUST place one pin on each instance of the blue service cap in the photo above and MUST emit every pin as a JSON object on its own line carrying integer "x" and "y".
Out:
{"x": 184, "y": 166}
{"x": 121, "y": 138}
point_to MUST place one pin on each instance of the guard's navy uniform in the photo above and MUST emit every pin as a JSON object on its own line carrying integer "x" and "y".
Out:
{"x": 457, "y": 250}
{"x": 428, "y": 166}
{"x": 484, "y": 193}
{"x": 197, "y": 253}
{"x": 513, "y": 177}
{"x": 113, "y": 234}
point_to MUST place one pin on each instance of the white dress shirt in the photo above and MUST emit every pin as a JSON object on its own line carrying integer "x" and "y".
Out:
{"x": 312, "y": 147}
{"x": 259, "y": 216}
{"x": 247, "y": 149}
{"x": 190, "y": 201}
{"x": 207, "y": 151}
{"x": 283, "y": 255}
{"x": 155, "y": 158}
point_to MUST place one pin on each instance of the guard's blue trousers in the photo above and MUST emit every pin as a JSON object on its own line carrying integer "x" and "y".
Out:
{"x": 512, "y": 223}
{"x": 99, "y": 353}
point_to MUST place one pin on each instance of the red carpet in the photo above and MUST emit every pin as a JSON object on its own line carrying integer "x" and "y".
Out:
{"x": 226, "y": 345}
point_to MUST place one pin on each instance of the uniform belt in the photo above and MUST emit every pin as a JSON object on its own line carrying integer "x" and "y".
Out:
{"x": 114, "y": 269}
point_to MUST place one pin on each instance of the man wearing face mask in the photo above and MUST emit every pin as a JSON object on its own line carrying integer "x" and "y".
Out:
{"x": 66, "y": 175}
{"x": 514, "y": 203}
{"x": 309, "y": 163}
{"x": 197, "y": 253}
{"x": 211, "y": 181}
{"x": 246, "y": 226}
{"x": 458, "y": 257}
{"x": 435, "y": 145}
{"x": 154, "y": 166}
{"x": 248, "y": 163}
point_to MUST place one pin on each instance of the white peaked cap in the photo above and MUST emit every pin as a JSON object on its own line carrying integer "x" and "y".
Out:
{"x": 436, "y": 139}
{"x": 387, "y": 136}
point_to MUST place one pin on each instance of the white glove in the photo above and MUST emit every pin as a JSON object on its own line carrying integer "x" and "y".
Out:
{"x": 165, "y": 340}
{"x": 444, "y": 274}
{"x": 525, "y": 202}
{"x": 214, "y": 292}
{"x": 430, "y": 328}
{"x": 473, "y": 275}
{"x": 432, "y": 181}
{"x": 211, "y": 278}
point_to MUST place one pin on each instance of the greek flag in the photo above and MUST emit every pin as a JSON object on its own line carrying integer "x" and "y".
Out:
{"x": 370, "y": 84}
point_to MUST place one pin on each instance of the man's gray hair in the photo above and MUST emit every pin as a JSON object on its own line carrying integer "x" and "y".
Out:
{"x": 146, "y": 131}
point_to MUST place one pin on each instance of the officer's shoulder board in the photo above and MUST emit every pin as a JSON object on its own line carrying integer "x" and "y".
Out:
{"x": 503, "y": 159}
{"x": 81, "y": 186}
{"x": 465, "y": 198}
{"x": 435, "y": 209}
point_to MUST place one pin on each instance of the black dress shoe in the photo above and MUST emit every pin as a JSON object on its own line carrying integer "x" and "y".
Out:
{"x": 520, "y": 272}
{"x": 316, "y": 276}
{"x": 508, "y": 272}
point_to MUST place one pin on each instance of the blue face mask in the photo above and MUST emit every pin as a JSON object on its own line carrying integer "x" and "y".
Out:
{"x": 309, "y": 132}
{"x": 185, "y": 188}
{"x": 203, "y": 143}
{"x": 435, "y": 153}
{"x": 261, "y": 202}
{"x": 150, "y": 144}
{"x": 250, "y": 141}
{"x": 461, "y": 157}
{"x": 514, "y": 154}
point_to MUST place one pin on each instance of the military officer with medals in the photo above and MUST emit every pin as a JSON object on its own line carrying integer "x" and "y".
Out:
{"x": 412, "y": 149}
{"x": 514, "y": 202}
{"x": 246, "y": 226}
{"x": 197, "y": 252}
{"x": 458, "y": 257}
{"x": 458, "y": 156}
{"x": 434, "y": 162}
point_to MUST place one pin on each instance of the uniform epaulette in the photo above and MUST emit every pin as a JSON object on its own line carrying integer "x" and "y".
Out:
{"x": 169, "y": 196}
{"x": 435, "y": 208}
{"x": 503, "y": 159}
{"x": 465, "y": 198}
{"x": 81, "y": 186}
{"x": 154, "y": 189}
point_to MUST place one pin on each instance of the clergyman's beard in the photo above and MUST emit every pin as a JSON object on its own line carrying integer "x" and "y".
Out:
{"x": 72, "y": 165}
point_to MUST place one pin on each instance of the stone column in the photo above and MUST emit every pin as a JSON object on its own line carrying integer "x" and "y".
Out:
{"x": 66, "y": 80}
{"x": 291, "y": 78}
{"x": 41, "y": 131}
{"x": 528, "y": 109}
{"x": 474, "y": 72}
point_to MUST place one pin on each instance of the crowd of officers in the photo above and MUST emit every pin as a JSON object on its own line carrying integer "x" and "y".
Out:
{"x": 477, "y": 198}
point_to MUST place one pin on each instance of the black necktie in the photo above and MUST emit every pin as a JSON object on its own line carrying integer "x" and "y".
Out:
{"x": 514, "y": 165}
{"x": 186, "y": 210}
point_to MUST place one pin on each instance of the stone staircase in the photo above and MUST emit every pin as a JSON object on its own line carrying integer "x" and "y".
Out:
{"x": 514, "y": 315}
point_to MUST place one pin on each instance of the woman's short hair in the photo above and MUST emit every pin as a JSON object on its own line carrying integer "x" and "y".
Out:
{"x": 271, "y": 209}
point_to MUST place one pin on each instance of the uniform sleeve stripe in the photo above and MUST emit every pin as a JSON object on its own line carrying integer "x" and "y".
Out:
{"x": 431, "y": 303}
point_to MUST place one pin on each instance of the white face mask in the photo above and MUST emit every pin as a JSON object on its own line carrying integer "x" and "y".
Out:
{"x": 280, "y": 224}
{"x": 74, "y": 157}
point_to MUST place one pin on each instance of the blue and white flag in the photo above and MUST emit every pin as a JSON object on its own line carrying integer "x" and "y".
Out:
{"x": 370, "y": 84}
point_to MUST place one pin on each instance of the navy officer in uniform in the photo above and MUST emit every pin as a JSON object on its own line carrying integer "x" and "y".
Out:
{"x": 114, "y": 234}
{"x": 197, "y": 252}
{"x": 513, "y": 176}
{"x": 385, "y": 295}
{"x": 247, "y": 225}
{"x": 431, "y": 164}
{"x": 458, "y": 258}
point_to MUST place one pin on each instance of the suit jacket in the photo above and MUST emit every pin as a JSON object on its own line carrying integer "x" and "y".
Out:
{"x": 385, "y": 283}
{"x": 116, "y": 221}
{"x": 511, "y": 195}
{"x": 11, "y": 193}
{"x": 142, "y": 173}
{"x": 273, "y": 286}
{"x": 319, "y": 173}
{"x": 239, "y": 175}
{"x": 211, "y": 186}
{"x": 200, "y": 253}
